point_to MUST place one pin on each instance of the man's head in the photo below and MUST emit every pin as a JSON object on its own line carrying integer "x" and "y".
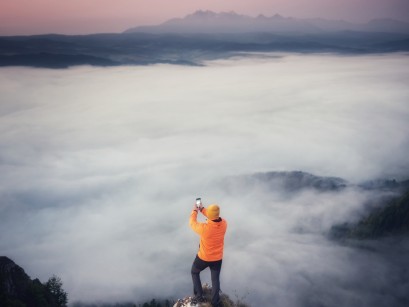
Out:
{"x": 213, "y": 212}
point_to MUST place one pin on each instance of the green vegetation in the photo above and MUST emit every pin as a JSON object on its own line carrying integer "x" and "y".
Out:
{"x": 18, "y": 290}
{"x": 54, "y": 287}
{"x": 392, "y": 219}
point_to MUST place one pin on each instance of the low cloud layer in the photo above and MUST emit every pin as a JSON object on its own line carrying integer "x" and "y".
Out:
{"x": 99, "y": 167}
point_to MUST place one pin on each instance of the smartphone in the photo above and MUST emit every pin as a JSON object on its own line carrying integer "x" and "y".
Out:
{"x": 198, "y": 202}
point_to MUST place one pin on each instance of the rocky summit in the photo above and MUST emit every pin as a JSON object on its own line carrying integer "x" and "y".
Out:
{"x": 190, "y": 301}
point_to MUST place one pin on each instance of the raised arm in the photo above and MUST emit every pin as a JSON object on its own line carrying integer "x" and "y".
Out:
{"x": 203, "y": 210}
{"x": 194, "y": 224}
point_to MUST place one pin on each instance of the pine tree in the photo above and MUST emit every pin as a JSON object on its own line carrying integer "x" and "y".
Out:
{"x": 54, "y": 286}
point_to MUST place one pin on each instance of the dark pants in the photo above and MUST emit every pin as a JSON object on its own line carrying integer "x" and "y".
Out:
{"x": 215, "y": 268}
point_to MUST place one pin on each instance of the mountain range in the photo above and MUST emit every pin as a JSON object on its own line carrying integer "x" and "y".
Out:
{"x": 231, "y": 22}
{"x": 204, "y": 36}
{"x": 298, "y": 181}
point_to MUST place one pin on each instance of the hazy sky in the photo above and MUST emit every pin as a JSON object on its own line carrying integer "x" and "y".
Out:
{"x": 100, "y": 166}
{"x": 90, "y": 16}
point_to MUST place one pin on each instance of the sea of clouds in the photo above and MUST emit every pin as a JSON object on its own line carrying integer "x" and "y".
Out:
{"x": 100, "y": 167}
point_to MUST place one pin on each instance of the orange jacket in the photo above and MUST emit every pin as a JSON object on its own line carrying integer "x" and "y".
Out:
{"x": 211, "y": 237}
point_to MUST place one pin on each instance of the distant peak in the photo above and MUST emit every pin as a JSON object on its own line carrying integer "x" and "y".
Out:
{"x": 207, "y": 14}
{"x": 203, "y": 13}
{"x": 277, "y": 16}
{"x": 229, "y": 13}
{"x": 206, "y": 21}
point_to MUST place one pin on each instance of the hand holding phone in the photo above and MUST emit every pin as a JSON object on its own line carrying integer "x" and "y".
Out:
{"x": 198, "y": 202}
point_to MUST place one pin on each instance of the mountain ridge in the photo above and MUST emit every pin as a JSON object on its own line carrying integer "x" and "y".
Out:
{"x": 298, "y": 181}
{"x": 62, "y": 51}
{"x": 204, "y": 36}
{"x": 206, "y": 21}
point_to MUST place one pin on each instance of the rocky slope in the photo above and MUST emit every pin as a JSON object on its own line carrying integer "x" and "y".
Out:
{"x": 18, "y": 290}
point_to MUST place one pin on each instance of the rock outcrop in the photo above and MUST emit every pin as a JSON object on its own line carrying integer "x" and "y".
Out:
{"x": 14, "y": 282}
{"x": 189, "y": 301}
{"x": 17, "y": 288}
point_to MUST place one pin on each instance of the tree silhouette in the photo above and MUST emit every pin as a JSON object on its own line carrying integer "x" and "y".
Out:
{"x": 54, "y": 286}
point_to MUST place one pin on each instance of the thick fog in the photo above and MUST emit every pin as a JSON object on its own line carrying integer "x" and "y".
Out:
{"x": 100, "y": 167}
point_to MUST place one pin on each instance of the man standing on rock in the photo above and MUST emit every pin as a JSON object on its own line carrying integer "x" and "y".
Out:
{"x": 210, "y": 249}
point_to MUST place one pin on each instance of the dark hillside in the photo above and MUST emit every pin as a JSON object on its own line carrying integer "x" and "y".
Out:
{"x": 61, "y": 51}
{"x": 18, "y": 290}
{"x": 389, "y": 219}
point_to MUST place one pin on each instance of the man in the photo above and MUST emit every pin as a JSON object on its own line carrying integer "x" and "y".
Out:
{"x": 210, "y": 249}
